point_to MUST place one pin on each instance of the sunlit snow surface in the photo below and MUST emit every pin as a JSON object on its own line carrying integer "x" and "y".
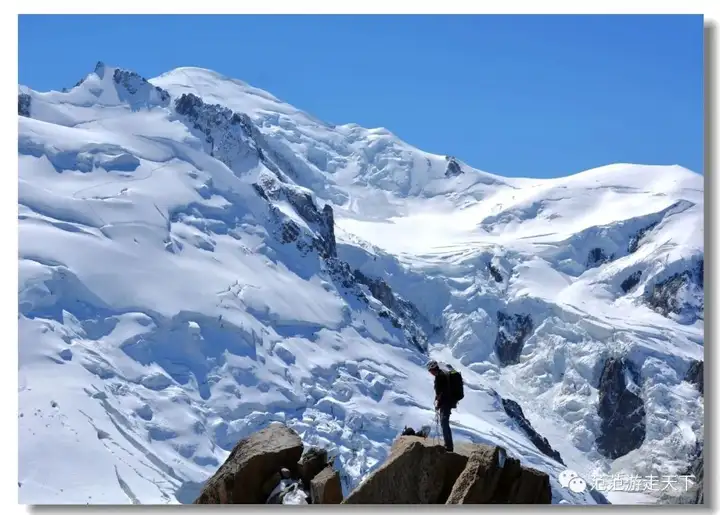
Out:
{"x": 161, "y": 318}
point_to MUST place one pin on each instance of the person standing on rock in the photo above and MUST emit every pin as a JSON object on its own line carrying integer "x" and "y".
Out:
{"x": 445, "y": 401}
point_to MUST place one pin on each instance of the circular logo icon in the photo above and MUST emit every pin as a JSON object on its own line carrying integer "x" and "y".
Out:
{"x": 566, "y": 476}
{"x": 577, "y": 485}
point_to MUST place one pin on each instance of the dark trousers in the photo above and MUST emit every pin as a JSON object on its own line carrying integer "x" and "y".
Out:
{"x": 444, "y": 412}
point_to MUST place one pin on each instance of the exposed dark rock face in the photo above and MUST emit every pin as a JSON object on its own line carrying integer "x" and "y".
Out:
{"x": 515, "y": 412}
{"x": 621, "y": 409}
{"x": 697, "y": 467}
{"x": 261, "y": 192}
{"x": 631, "y": 281}
{"x": 694, "y": 375}
{"x": 342, "y": 274}
{"x": 24, "y": 102}
{"x": 700, "y": 272}
{"x": 133, "y": 83}
{"x": 226, "y": 133}
{"x": 401, "y": 313}
{"x": 634, "y": 243}
{"x": 322, "y": 221}
{"x": 378, "y": 288}
{"x": 495, "y": 273}
{"x": 453, "y": 167}
{"x": 290, "y": 232}
{"x": 513, "y": 330}
{"x": 328, "y": 225}
{"x": 681, "y": 294}
{"x": 597, "y": 257}
{"x": 382, "y": 292}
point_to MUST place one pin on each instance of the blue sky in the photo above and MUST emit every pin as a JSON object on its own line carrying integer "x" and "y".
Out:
{"x": 533, "y": 96}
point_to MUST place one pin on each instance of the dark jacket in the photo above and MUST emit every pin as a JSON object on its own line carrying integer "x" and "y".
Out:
{"x": 442, "y": 390}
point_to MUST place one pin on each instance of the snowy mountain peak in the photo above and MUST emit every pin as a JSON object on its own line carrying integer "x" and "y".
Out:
{"x": 112, "y": 87}
{"x": 346, "y": 155}
{"x": 100, "y": 69}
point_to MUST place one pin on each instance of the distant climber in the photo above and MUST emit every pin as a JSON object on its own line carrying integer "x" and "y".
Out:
{"x": 448, "y": 392}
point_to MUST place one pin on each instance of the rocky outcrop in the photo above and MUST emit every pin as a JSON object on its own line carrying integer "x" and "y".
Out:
{"x": 453, "y": 167}
{"x": 406, "y": 313}
{"x": 130, "y": 87}
{"x": 681, "y": 294}
{"x": 515, "y": 412}
{"x": 696, "y": 471}
{"x": 226, "y": 133}
{"x": 495, "y": 273}
{"x": 321, "y": 221}
{"x": 312, "y": 462}
{"x": 420, "y": 472}
{"x": 694, "y": 375}
{"x": 635, "y": 240}
{"x": 251, "y": 463}
{"x": 325, "y": 487}
{"x": 139, "y": 89}
{"x": 513, "y": 330}
{"x": 24, "y": 101}
{"x": 631, "y": 281}
{"x": 700, "y": 272}
{"x": 597, "y": 257}
{"x": 621, "y": 409}
{"x": 414, "y": 473}
{"x": 491, "y": 477}
{"x": 269, "y": 466}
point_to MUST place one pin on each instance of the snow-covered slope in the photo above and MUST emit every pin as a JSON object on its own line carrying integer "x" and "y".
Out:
{"x": 198, "y": 258}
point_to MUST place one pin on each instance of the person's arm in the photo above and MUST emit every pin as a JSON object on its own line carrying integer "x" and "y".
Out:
{"x": 438, "y": 389}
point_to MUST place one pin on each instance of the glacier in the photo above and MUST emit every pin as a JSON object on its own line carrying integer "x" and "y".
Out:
{"x": 197, "y": 258}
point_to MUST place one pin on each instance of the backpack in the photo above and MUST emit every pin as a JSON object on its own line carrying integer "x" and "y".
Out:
{"x": 456, "y": 389}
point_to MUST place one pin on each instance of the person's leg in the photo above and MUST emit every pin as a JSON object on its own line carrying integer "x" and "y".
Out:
{"x": 445, "y": 424}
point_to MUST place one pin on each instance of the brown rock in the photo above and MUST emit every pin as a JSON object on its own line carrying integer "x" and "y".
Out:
{"x": 415, "y": 472}
{"x": 325, "y": 487}
{"x": 478, "y": 481}
{"x": 311, "y": 463}
{"x": 455, "y": 463}
{"x": 240, "y": 480}
{"x": 533, "y": 488}
{"x": 490, "y": 476}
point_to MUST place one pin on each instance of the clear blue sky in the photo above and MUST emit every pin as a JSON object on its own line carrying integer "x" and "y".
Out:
{"x": 536, "y": 96}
